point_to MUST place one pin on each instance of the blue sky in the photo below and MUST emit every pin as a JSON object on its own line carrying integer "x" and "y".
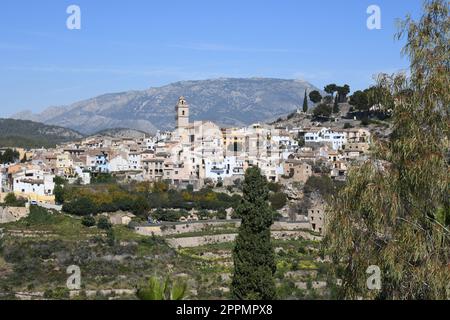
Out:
{"x": 136, "y": 44}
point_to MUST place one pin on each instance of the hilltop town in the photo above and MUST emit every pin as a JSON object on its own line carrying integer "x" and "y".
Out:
{"x": 182, "y": 185}
{"x": 193, "y": 191}
{"x": 196, "y": 154}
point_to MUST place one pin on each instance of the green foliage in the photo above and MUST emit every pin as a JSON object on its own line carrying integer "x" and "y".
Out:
{"x": 58, "y": 191}
{"x": 365, "y": 122}
{"x": 160, "y": 187}
{"x": 88, "y": 221}
{"x": 330, "y": 89}
{"x": 305, "y": 103}
{"x": 82, "y": 206}
{"x": 60, "y": 293}
{"x": 322, "y": 111}
{"x": 29, "y": 134}
{"x": 59, "y": 180}
{"x": 278, "y": 200}
{"x": 102, "y": 178}
{"x": 274, "y": 187}
{"x": 322, "y": 185}
{"x": 253, "y": 254}
{"x": 169, "y": 215}
{"x": 360, "y": 100}
{"x": 162, "y": 290}
{"x": 39, "y": 216}
{"x": 9, "y": 156}
{"x": 315, "y": 96}
{"x": 111, "y": 239}
{"x": 139, "y": 199}
{"x": 348, "y": 125}
{"x": 390, "y": 212}
{"x": 342, "y": 93}
{"x": 12, "y": 201}
{"x": 103, "y": 223}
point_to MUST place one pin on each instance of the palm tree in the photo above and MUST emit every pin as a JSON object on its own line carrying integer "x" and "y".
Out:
{"x": 162, "y": 290}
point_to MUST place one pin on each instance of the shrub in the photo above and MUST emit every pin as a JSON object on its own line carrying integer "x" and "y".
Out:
{"x": 40, "y": 216}
{"x": 88, "y": 221}
{"x": 110, "y": 237}
{"x": 274, "y": 187}
{"x": 347, "y": 125}
{"x": 59, "y": 194}
{"x": 80, "y": 207}
{"x": 104, "y": 224}
{"x": 221, "y": 214}
{"x": 278, "y": 200}
{"x": 57, "y": 294}
{"x": 322, "y": 111}
{"x": 323, "y": 185}
{"x": 59, "y": 180}
{"x": 365, "y": 122}
{"x": 12, "y": 201}
{"x": 103, "y": 178}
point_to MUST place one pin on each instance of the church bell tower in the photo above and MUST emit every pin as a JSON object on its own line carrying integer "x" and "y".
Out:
{"x": 182, "y": 109}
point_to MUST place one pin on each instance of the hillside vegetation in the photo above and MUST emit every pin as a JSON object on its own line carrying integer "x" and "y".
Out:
{"x": 29, "y": 134}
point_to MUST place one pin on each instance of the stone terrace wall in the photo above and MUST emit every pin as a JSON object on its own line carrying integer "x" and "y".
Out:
{"x": 170, "y": 229}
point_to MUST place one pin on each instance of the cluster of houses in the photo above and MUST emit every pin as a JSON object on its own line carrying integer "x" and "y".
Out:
{"x": 195, "y": 153}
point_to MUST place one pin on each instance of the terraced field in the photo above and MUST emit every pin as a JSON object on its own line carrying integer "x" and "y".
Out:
{"x": 36, "y": 251}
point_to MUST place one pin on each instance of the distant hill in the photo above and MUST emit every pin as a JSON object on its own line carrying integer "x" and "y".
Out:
{"x": 29, "y": 134}
{"x": 226, "y": 101}
{"x": 121, "y": 133}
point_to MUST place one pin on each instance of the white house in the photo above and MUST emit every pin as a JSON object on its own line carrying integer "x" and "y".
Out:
{"x": 34, "y": 184}
{"x": 326, "y": 135}
{"x": 134, "y": 161}
{"x": 220, "y": 170}
{"x": 118, "y": 163}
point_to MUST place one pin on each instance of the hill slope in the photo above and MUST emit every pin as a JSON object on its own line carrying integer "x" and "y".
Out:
{"x": 229, "y": 102}
{"x": 29, "y": 134}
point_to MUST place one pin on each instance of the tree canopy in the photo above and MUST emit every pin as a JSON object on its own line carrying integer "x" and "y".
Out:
{"x": 9, "y": 156}
{"x": 392, "y": 213}
{"x": 315, "y": 96}
{"x": 322, "y": 111}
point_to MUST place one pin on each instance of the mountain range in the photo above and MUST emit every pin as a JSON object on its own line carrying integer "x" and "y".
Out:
{"x": 226, "y": 101}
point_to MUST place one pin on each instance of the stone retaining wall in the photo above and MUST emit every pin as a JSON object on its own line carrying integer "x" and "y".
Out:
{"x": 11, "y": 214}
{"x": 180, "y": 228}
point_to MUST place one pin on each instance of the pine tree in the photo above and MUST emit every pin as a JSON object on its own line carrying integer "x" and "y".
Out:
{"x": 305, "y": 103}
{"x": 390, "y": 213}
{"x": 253, "y": 254}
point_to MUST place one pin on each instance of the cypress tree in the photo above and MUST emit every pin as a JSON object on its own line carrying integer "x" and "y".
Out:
{"x": 253, "y": 254}
{"x": 305, "y": 103}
